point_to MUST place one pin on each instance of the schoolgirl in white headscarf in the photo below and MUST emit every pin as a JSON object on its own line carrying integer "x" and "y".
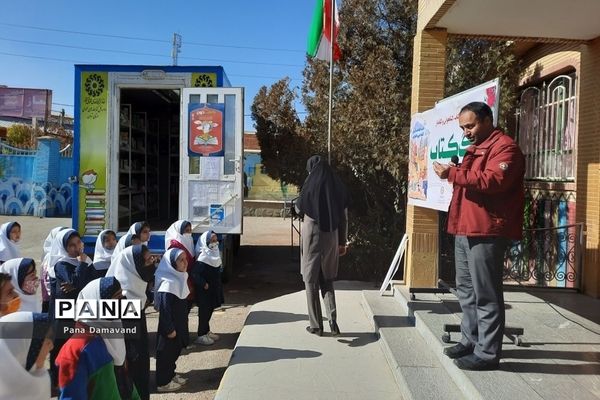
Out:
{"x": 8, "y": 247}
{"x": 168, "y": 279}
{"x": 128, "y": 239}
{"x": 207, "y": 250}
{"x": 181, "y": 233}
{"x": 173, "y": 333}
{"x": 25, "y": 282}
{"x": 142, "y": 230}
{"x": 102, "y": 254}
{"x": 47, "y": 248}
{"x": 23, "y": 350}
{"x": 133, "y": 269}
{"x": 106, "y": 288}
{"x": 59, "y": 253}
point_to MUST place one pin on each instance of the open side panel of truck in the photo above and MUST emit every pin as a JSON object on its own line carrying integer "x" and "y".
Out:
{"x": 211, "y": 157}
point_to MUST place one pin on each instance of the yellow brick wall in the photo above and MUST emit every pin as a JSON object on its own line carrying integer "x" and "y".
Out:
{"x": 429, "y": 65}
{"x": 588, "y": 163}
{"x": 549, "y": 59}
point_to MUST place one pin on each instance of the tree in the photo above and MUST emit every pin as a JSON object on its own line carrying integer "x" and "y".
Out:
{"x": 20, "y": 135}
{"x": 371, "y": 119}
{"x": 474, "y": 61}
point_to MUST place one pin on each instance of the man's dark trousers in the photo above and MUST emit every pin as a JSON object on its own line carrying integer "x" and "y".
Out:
{"x": 479, "y": 265}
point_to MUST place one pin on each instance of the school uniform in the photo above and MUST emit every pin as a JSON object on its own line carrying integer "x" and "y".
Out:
{"x": 19, "y": 378}
{"x": 176, "y": 239}
{"x": 101, "y": 263}
{"x": 8, "y": 248}
{"x": 129, "y": 269}
{"x": 17, "y": 269}
{"x": 45, "y": 276}
{"x": 102, "y": 256}
{"x": 62, "y": 269}
{"x": 170, "y": 301}
{"x": 207, "y": 271}
{"x": 87, "y": 362}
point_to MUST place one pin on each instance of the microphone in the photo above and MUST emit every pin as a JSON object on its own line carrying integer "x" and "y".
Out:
{"x": 454, "y": 160}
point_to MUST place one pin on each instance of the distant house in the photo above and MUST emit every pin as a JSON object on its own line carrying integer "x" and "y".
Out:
{"x": 259, "y": 186}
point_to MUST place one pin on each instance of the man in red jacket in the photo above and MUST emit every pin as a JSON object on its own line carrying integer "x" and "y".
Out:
{"x": 486, "y": 212}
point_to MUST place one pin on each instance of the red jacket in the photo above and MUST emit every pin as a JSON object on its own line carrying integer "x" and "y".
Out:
{"x": 488, "y": 197}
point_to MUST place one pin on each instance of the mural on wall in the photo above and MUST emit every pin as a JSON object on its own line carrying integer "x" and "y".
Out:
{"x": 41, "y": 194}
{"x": 260, "y": 185}
{"x": 18, "y": 197}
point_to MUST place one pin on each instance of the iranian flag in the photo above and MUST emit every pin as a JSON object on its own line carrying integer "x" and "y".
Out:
{"x": 319, "y": 37}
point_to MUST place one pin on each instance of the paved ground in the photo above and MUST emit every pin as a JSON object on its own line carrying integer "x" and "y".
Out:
{"x": 264, "y": 269}
{"x": 275, "y": 358}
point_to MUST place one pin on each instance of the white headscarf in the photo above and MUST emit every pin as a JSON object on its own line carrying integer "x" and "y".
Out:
{"x": 59, "y": 252}
{"x": 205, "y": 254}
{"x": 124, "y": 269}
{"x": 175, "y": 233}
{"x": 29, "y": 302}
{"x": 168, "y": 279}
{"x": 136, "y": 229}
{"x": 122, "y": 245}
{"x": 102, "y": 256}
{"x": 48, "y": 243}
{"x": 8, "y": 248}
{"x": 114, "y": 344}
{"x": 15, "y": 381}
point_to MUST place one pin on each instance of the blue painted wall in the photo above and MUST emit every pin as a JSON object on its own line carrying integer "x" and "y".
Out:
{"x": 36, "y": 184}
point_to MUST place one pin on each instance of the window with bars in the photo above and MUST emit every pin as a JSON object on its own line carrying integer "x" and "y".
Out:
{"x": 546, "y": 129}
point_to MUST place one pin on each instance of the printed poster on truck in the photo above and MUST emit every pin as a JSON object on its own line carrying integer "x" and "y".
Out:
{"x": 93, "y": 128}
{"x": 435, "y": 135}
{"x": 206, "y": 130}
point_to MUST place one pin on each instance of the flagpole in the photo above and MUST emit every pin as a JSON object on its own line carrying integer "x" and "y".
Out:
{"x": 332, "y": 39}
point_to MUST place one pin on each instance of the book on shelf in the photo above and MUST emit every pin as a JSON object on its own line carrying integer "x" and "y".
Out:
{"x": 95, "y": 210}
{"x": 94, "y": 222}
{"x": 92, "y": 217}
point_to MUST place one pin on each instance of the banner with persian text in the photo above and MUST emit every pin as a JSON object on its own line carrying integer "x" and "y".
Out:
{"x": 435, "y": 135}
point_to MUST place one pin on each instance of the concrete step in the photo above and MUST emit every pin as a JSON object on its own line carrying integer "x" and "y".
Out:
{"x": 430, "y": 312}
{"x": 417, "y": 370}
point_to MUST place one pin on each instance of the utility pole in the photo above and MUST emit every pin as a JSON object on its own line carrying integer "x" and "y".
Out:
{"x": 176, "y": 47}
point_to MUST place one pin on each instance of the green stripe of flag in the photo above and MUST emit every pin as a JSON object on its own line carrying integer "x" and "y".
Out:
{"x": 316, "y": 29}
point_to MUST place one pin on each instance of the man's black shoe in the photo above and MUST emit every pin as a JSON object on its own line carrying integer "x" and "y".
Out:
{"x": 474, "y": 363}
{"x": 458, "y": 350}
{"x": 314, "y": 331}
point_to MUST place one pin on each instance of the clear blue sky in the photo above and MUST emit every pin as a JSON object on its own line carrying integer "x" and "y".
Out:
{"x": 272, "y": 24}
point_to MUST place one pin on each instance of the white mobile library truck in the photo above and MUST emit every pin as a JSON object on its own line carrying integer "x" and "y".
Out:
{"x": 158, "y": 144}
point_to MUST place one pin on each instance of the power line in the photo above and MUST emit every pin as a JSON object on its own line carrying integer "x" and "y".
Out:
{"x": 82, "y": 47}
{"x": 87, "y": 62}
{"x": 147, "y": 39}
{"x": 142, "y": 54}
